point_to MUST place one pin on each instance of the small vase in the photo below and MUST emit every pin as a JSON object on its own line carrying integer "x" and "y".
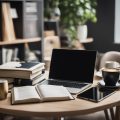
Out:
{"x": 82, "y": 32}
{"x": 56, "y": 13}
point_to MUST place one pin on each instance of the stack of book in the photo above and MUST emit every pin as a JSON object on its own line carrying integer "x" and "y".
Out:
{"x": 22, "y": 73}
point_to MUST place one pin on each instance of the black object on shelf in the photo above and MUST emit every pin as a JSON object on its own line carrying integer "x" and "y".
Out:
{"x": 52, "y": 25}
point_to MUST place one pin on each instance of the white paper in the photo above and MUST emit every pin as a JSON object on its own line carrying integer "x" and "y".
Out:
{"x": 53, "y": 91}
{"x": 24, "y": 93}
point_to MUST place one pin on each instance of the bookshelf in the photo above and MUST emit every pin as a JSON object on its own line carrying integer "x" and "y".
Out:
{"x": 21, "y": 23}
{"x": 20, "y": 41}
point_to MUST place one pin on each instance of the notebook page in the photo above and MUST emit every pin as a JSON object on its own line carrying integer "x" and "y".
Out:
{"x": 24, "y": 93}
{"x": 52, "y": 92}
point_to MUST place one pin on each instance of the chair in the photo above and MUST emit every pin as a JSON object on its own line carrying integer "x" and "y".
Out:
{"x": 109, "y": 56}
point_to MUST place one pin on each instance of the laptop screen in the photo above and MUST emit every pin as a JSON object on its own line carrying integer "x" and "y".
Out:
{"x": 72, "y": 65}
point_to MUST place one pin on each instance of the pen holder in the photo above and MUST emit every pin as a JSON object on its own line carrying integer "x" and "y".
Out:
{"x": 3, "y": 89}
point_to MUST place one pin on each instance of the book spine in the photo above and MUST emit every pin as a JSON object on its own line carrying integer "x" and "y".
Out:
{"x": 22, "y": 82}
{"x": 14, "y": 74}
{"x": 31, "y": 20}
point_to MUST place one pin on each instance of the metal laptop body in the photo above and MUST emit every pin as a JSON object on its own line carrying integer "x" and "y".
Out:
{"x": 73, "y": 69}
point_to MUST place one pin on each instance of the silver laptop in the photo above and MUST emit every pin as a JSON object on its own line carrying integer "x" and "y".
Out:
{"x": 73, "y": 69}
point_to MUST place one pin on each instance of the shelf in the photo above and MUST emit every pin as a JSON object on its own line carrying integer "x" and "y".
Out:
{"x": 88, "y": 40}
{"x": 20, "y": 41}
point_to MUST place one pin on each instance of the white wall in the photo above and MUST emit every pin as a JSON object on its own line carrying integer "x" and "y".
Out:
{"x": 117, "y": 22}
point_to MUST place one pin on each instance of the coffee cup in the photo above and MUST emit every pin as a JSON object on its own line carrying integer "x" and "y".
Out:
{"x": 110, "y": 76}
{"x": 3, "y": 89}
{"x": 112, "y": 64}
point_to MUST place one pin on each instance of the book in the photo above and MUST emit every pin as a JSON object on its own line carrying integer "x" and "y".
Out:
{"x": 39, "y": 93}
{"x": 25, "y": 82}
{"x": 15, "y": 54}
{"x": 31, "y": 7}
{"x": 9, "y": 55}
{"x": 31, "y": 26}
{"x": 14, "y": 13}
{"x": 34, "y": 81}
{"x": 25, "y": 70}
{"x": 4, "y": 53}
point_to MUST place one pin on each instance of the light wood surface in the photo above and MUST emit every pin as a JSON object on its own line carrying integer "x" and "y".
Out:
{"x": 20, "y": 41}
{"x": 88, "y": 40}
{"x": 60, "y": 108}
{"x": 77, "y": 44}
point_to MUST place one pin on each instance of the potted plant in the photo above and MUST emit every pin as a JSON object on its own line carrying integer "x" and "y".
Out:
{"x": 74, "y": 14}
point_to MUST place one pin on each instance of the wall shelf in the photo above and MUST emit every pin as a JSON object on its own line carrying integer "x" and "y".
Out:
{"x": 88, "y": 40}
{"x": 20, "y": 41}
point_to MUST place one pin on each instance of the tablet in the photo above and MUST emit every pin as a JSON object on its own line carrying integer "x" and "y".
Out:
{"x": 96, "y": 94}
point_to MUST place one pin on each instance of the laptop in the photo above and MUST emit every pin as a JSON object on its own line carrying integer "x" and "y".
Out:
{"x": 73, "y": 69}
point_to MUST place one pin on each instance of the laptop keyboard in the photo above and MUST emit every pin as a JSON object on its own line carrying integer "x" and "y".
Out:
{"x": 67, "y": 84}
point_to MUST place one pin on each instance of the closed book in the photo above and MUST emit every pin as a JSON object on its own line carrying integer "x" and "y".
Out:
{"x": 34, "y": 81}
{"x": 39, "y": 93}
{"x": 25, "y": 70}
{"x": 31, "y": 26}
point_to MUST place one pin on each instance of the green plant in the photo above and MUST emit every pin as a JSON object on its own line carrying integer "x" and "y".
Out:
{"x": 74, "y": 13}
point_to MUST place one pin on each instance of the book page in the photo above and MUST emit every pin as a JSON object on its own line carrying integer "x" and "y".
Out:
{"x": 25, "y": 94}
{"x": 52, "y": 92}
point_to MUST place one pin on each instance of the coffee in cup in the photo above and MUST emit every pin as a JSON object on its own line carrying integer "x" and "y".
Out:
{"x": 110, "y": 76}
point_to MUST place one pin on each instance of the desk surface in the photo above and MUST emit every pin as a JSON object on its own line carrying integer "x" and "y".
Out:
{"x": 60, "y": 108}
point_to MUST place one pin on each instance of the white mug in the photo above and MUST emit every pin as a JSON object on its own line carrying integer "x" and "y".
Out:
{"x": 112, "y": 64}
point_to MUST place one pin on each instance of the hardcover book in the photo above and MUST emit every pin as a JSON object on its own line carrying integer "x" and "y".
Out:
{"x": 39, "y": 93}
{"x": 26, "y": 82}
{"x": 25, "y": 70}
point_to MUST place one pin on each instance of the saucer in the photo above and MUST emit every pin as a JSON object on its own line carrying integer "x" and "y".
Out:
{"x": 102, "y": 83}
{"x": 98, "y": 74}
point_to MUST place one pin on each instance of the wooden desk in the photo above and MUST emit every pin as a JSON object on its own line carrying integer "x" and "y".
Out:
{"x": 62, "y": 108}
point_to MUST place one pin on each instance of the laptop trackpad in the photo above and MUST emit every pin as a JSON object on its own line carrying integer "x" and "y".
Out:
{"x": 74, "y": 90}
{"x": 78, "y": 90}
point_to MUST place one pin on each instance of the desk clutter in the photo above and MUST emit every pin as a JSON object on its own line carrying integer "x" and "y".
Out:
{"x": 22, "y": 73}
{"x": 25, "y": 83}
{"x": 22, "y": 79}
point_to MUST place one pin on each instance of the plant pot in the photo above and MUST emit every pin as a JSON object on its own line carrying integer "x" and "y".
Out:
{"x": 82, "y": 32}
{"x": 56, "y": 13}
